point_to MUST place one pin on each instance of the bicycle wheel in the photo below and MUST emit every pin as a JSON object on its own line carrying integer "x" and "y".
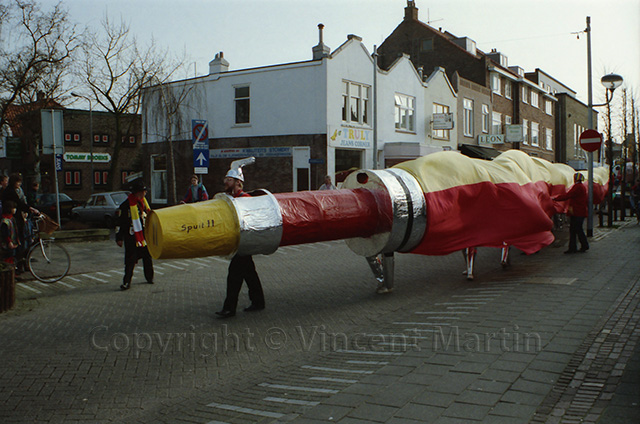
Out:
{"x": 48, "y": 261}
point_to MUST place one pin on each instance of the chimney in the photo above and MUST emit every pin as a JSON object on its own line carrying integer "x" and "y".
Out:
{"x": 218, "y": 64}
{"x": 320, "y": 51}
{"x": 411, "y": 11}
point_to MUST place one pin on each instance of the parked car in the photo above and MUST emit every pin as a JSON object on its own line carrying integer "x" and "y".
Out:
{"x": 47, "y": 204}
{"x": 101, "y": 207}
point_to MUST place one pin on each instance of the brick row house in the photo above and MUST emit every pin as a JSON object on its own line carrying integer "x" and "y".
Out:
{"x": 79, "y": 177}
{"x": 493, "y": 95}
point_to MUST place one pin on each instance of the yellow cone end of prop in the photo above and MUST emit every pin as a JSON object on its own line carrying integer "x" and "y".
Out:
{"x": 193, "y": 230}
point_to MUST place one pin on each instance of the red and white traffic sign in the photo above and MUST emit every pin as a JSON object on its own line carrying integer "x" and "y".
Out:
{"x": 590, "y": 140}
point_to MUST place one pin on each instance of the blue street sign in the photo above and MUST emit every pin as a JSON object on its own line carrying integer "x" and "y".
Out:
{"x": 201, "y": 161}
{"x": 58, "y": 162}
{"x": 200, "y": 137}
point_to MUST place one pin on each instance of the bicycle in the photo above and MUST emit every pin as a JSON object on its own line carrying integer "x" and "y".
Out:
{"x": 47, "y": 260}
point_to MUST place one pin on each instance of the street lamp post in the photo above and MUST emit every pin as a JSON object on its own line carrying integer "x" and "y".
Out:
{"x": 610, "y": 82}
{"x": 90, "y": 138}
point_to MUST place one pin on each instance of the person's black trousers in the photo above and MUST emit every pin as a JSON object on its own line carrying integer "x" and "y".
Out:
{"x": 131, "y": 256}
{"x": 242, "y": 268}
{"x": 576, "y": 231}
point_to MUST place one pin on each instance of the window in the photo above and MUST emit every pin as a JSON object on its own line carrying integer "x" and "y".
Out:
{"x": 100, "y": 178}
{"x": 355, "y": 103}
{"x": 548, "y": 138}
{"x": 405, "y": 112}
{"x": 468, "y": 117}
{"x": 129, "y": 140}
{"x": 73, "y": 178}
{"x": 525, "y": 94}
{"x": 71, "y": 138}
{"x": 159, "y": 179}
{"x": 507, "y": 89}
{"x": 485, "y": 118}
{"x": 442, "y": 134}
{"x": 427, "y": 45}
{"x": 242, "y": 103}
{"x": 534, "y": 98}
{"x": 496, "y": 123}
{"x": 97, "y": 138}
{"x": 507, "y": 120}
{"x": 534, "y": 134}
{"x": 496, "y": 84}
{"x": 548, "y": 107}
{"x": 525, "y": 131}
{"x": 124, "y": 175}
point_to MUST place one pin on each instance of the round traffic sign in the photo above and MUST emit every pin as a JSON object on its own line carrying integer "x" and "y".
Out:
{"x": 590, "y": 140}
{"x": 200, "y": 132}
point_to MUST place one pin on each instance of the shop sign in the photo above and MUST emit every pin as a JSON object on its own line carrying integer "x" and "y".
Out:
{"x": 86, "y": 157}
{"x": 350, "y": 138}
{"x": 491, "y": 139}
{"x": 258, "y": 152}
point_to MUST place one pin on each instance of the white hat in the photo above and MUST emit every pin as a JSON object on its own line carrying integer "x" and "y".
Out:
{"x": 235, "y": 171}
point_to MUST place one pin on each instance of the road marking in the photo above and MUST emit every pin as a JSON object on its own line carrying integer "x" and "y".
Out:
{"x": 368, "y": 362}
{"x": 292, "y": 401}
{"x": 117, "y": 272}
{"x": 460, "y": 303}
{"x": 218, "y": 422}
{"x": 476, "y": 296}
{"x": 66, "y": 284}
{"x": 73, "y": 279}
{"x": 155, "y": 271}
{"x": 420, "y": 330}
{"x": 432, "y": 324}
{"x": 396, "y": 344}
{"x": 199, "y": 261}
{"x": 298, "y": 388}
{"x": 95, "y": 278}
{"x": 462, "y": 307}
{"x": 333, "y": 380}
{"x": 175, "y": 266}
{"x": 368, "y": 352}
{"x": 441, "y": 312}
{"x": 224, "y": 261}
{"x": 23, "y": 285}
{"x": 310, "y": 367}
{"x": 250, "y": 411}
{"x": 103, "y": 274}
{"x": 290, "y": 248}
{"x": 432, "y": 317}
{"x": 40, "y": 283}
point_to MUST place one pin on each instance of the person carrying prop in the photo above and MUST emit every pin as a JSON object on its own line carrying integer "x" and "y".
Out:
{"x": 241, "y": 268}
{"x": 133, "y": 212}
{"x": 578, "y": 211}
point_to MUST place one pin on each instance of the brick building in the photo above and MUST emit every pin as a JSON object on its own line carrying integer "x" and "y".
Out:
{"x": 512, "y": 99}
{"x": 75, "y": 178}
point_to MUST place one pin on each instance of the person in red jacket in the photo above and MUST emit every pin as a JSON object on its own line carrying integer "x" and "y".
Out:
{"x": 578, "y": 198}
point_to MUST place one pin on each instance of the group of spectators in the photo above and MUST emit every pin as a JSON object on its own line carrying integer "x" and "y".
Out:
{"x": 16, "y": 226}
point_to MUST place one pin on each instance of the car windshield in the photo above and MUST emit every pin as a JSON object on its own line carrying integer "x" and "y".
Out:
{"x": 118, "y": 198}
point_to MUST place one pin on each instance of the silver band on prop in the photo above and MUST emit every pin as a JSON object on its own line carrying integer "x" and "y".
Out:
{"x": 408, "y": 206}
{"x": 260, "y": 222}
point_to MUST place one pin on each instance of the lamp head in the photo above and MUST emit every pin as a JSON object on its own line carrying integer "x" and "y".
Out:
{"x": 611, "y": 81}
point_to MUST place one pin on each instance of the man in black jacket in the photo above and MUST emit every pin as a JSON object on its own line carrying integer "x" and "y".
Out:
{"x": 133, "y": 212}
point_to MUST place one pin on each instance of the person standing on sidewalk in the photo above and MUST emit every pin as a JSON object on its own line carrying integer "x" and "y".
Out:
{"x": 578, "y": 198}
{"x": 241, "y": 268}
{"x": 133, "y": 212}
{"x": 196, "y": 191}
{"x": 328, "y": 185}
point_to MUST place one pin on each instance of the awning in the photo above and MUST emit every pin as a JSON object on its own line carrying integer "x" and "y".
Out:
{"x": 478, "y": 152}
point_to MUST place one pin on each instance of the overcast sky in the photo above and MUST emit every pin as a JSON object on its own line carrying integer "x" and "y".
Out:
{"x": 531, "y": 33}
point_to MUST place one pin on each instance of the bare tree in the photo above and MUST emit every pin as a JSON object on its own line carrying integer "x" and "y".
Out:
{"x": 116, "y": 69}
{"x": 34, "y": 58}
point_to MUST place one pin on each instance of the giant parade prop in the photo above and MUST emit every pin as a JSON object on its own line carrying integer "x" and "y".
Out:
{"x": 433, "y": 205}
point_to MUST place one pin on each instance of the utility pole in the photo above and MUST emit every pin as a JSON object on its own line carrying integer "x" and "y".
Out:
{"x": 590, "y": 125}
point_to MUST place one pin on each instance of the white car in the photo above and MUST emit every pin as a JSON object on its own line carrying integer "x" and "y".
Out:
{"x": 101, "y": 207}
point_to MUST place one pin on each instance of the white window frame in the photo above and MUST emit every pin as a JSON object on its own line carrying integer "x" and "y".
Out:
{"x": 525, "y": 131}
{"x": 158, "y": 182}
{"x": 236, "y": 100}
{"x": 467, "y": 117}
{"x": 507, "y": 89}
{"x": 355, "y": 96}
{"x": 524, "y": 94}
{"x": 441, "y": 134}
{"x": 485, "y": 119}
{"x": 535, "y": 134}
{"x": 548, "y": 138}
{"x": 548, "y": 107}
{"x": 507, "y": 120}
{"x": 405, "y": 112}
{"x": 496, "y": 123}
{"x": 496, "y": 84}
{"x": 535, "y": 98}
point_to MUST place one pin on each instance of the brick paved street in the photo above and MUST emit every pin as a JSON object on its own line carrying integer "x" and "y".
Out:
{"x": 551, "y": 339}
